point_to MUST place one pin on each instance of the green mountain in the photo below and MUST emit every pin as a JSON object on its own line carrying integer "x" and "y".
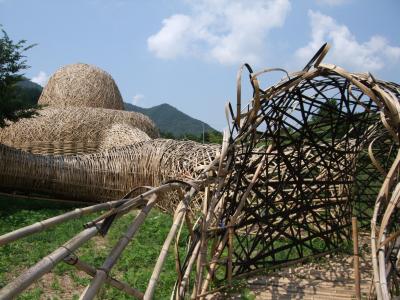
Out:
{"x": 28, "y": 91}
{"x": 170, "y": 120}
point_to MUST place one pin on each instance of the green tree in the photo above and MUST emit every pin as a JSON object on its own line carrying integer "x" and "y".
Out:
{"x": 167, "y": 135}
{"x": 12, "y": 63}
{"x": 327, "y": 112}
{"x": 215, "y": 137}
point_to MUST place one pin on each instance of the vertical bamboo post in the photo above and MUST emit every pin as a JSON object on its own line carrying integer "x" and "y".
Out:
{"x": 203, "y": 245}
{"x": 230, "y": 253}
{"x": 356, "y": 258}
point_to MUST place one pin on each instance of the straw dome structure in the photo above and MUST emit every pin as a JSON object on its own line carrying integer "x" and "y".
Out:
{"x": 81, "y": 85}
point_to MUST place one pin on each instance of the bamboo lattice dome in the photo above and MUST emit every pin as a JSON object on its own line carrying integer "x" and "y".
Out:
{"x": 81, "y": 85}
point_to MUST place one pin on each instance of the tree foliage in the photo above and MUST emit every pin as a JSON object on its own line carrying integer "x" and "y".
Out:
{"x": 12, "y": 63}
{"x": 210, "y": 137}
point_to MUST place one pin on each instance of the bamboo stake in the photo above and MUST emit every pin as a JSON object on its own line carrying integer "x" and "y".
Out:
{"x": 180, "y": 211}
{"x": 189, "y": 226}
{"x": 230, "y": 253}
{"x": 356, "y": 258}
{"x": 382, "y": 271}
{"x": 45, "y": 265}
{"x": 186, "y": 276}
{"x": 176, "y": 251}
{"x": 111, "y": 260}
{"x": 88, "y": 269}
{"x": 223, "y": 241}
{"x": 203, "y": 244}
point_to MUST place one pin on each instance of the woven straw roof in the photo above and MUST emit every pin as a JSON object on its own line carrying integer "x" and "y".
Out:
{"x": 81, "y": 85}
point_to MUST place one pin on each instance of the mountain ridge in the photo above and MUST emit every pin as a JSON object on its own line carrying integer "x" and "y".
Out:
{"x": 171, "y": 120}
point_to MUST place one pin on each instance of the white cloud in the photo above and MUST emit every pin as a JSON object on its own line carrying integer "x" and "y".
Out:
{"x": 136, "y": 99}
{"x": 333, "y": 2}
{"x": 345, "y": 49}
{"x": 229, "y": 32}
{"x": 173, "y": 38}
{"x": 40, "y": 78}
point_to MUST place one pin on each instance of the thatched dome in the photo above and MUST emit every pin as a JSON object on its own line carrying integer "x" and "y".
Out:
{"x": 81, "y": 85}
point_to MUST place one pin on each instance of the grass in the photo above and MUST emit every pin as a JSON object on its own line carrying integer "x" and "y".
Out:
{"x": 134, "y": 267}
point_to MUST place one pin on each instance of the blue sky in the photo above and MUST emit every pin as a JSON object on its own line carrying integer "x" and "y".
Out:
{"x": 187, "y": 52}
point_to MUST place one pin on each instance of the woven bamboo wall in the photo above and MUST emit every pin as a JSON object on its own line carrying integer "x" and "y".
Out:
{"x": 106, "y": 175}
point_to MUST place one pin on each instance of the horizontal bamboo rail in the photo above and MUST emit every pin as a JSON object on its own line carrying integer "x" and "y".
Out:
{"x": 45, "y": 224}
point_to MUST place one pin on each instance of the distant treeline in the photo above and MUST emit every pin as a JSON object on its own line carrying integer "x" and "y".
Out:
{"x": 212, "y": 137}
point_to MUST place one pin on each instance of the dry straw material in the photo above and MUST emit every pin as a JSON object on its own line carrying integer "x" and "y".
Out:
{"x": 119, "y": 135}
{"x": 83, "y": 113}
{"x": 106, "y": 175}
{"x": 74, "y": 130}
{"x": 81, "y": 85}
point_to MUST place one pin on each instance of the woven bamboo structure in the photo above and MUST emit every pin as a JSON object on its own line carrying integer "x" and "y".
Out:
{"x": 82, "y": 113}
{"x": 76, "y": 130}
{"x": 81, "y": 85}
{"x": 296, "y": 164}
{"x": 104, "y": 176}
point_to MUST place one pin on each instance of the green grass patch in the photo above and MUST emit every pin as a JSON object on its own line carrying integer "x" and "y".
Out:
{"x": 134, "y": 267}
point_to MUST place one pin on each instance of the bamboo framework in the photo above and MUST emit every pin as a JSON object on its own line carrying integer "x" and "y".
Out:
{"x": 296, "y": 163}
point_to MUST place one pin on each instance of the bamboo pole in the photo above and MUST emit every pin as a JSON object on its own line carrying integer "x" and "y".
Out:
{"x": 179, "y": 214}
{"x": 189, "y": 267}
{"x": 111, "y": 260}
{"x": 176, "y": 251}
{"x": 88, "y": 269}
{"x": 42, "y": 225}
{"x": 131, "y": 203}
{"x": 45, "y": 265}
{"x": 223, "y": 241}
{"x": 230, "y": 254}
{"x": 203, "y": 244}
{"x": 189, "y": 226}
{"x": 356, "y": 258}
